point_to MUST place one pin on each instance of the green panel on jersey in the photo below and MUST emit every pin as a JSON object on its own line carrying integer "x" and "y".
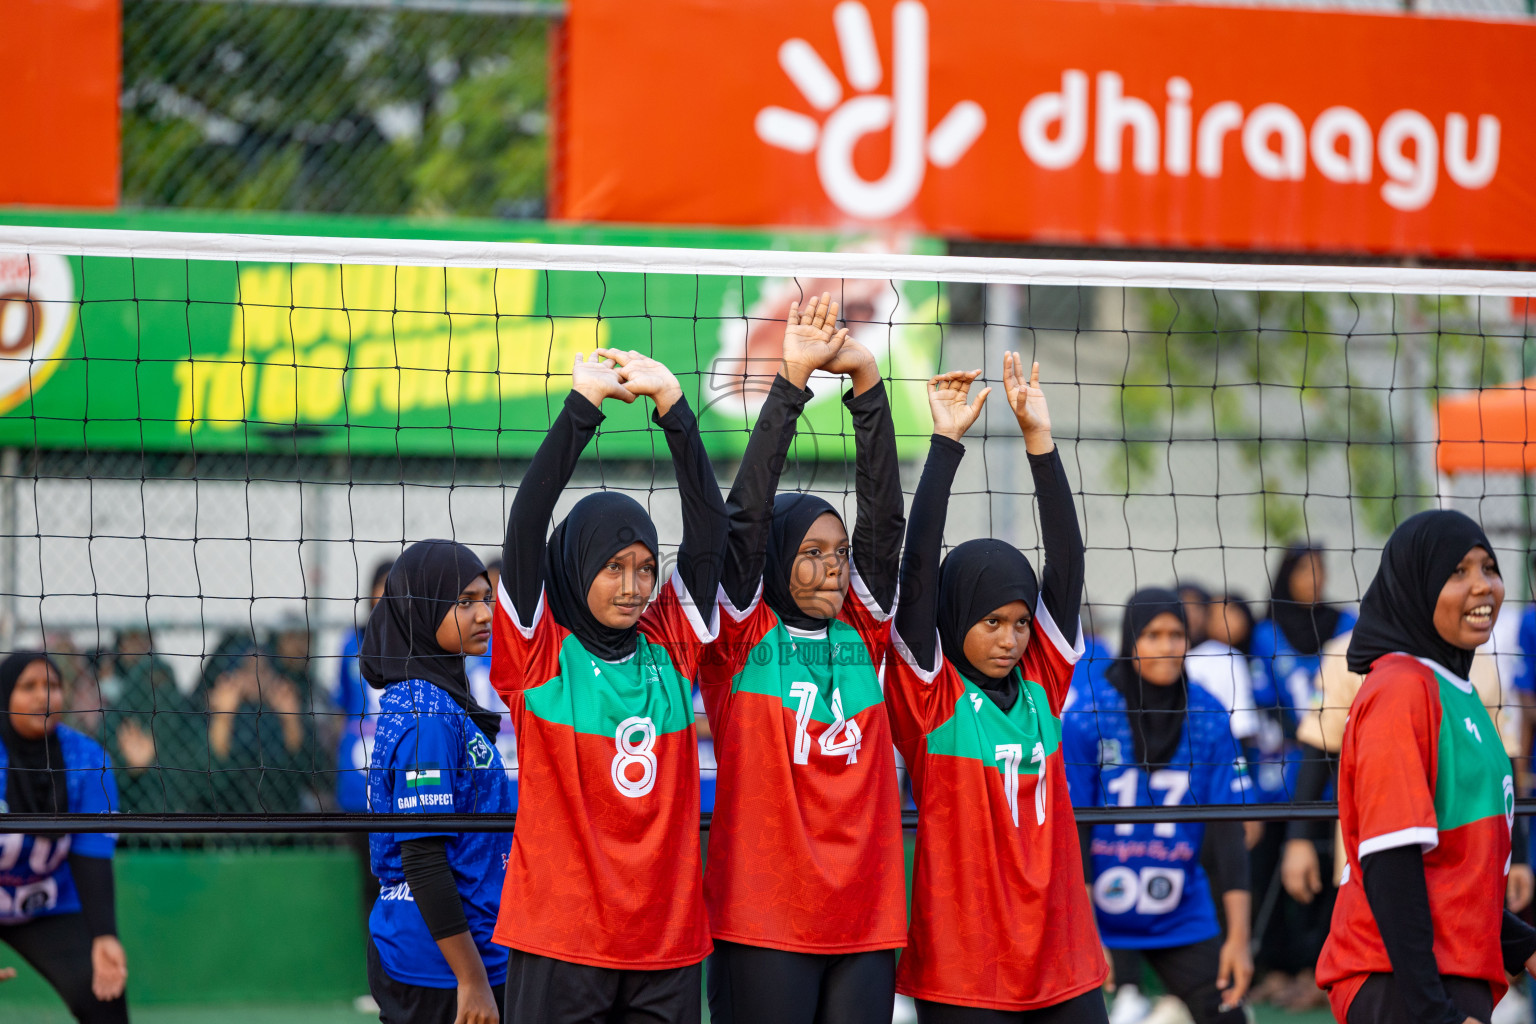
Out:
{"x": 593, "y": 696}
{"x": 838, "y": 663}
{"x": 1475, "y": 779}
{"x": 978, "y": 726}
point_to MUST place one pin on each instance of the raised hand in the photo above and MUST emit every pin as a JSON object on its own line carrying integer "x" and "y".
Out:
{"x": 1028, "y": 403}
{"x": 597, "y": 377}
{"x": 811, "y": 338}
{"x": 855, "y": 362}
{"x": 642, "y": 375}
{"x": 948, "y": 395}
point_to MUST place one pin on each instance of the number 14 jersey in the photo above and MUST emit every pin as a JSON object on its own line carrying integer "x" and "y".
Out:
{"x": 605, "y": 868}
{"x": 805, "y": 848}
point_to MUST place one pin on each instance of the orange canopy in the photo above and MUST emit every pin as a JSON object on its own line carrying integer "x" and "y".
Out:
{"x": 1489, "y": 431}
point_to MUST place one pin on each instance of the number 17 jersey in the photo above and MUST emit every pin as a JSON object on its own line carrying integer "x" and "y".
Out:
{"x": 605, "y": 867}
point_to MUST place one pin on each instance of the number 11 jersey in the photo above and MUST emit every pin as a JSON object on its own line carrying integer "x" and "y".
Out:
{"x": 605, "y": 867}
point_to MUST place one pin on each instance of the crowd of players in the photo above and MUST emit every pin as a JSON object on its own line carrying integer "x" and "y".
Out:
{"x": 821, "y": 658}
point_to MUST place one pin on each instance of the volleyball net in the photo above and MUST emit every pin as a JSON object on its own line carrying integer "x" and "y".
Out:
{"x": 209, "y": 444}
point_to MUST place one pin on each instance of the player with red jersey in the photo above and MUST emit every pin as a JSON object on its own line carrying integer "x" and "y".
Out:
{"x": 980, "y": 661}
{"x": 805, "y": 881}
{"x": 1426, "y": 794}
{"x": 603, "y": 905}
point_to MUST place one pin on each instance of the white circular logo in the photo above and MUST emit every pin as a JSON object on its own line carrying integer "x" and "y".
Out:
{"x": 1116, "y": 890}
{"x": 37, "y": 307}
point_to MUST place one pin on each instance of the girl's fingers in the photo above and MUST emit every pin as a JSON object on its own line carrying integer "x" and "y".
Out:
{"x": 981, "y": 400}
{"x": 794, "y": 313}
{"x": 1034, "y": 377}
{"x": 832, "y": 311}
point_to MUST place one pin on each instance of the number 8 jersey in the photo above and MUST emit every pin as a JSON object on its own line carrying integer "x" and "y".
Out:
{"x": 605, "y": 866}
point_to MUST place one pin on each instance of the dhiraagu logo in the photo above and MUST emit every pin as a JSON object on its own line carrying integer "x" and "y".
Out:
{"x": 37, "y": 309}
{"x": 847, "y": 120}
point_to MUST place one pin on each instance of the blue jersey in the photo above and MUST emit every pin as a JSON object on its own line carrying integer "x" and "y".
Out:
{"x": 429, "y": 757}
{"x": 1149, "y": 890}
{"x": 35, "y": 880}
{"x": 1283, "y": 689}
{"x": 359, "y": 702}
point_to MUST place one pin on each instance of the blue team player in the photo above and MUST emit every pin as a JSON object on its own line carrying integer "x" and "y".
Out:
{"x": 430, "y": 955}
{"x": 56, "y": 891}
{"x": 1144, "y": 736}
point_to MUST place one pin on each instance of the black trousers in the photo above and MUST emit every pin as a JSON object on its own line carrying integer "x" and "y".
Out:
{"x": 1087, "y": 1008}
{"x": 59, "y": 948}
{"x": 757, "y": 985}
{"x": 1188, "y": 972}
{"x": 1378, "y": 1001}
{"x": 542, "y": 990}
{"x": 400, "y": 1003}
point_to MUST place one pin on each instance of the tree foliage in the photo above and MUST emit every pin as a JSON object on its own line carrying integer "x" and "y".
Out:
{"x": 340, "y": 110}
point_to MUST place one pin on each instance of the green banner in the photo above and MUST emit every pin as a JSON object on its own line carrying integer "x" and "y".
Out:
{"x": 176, "y": 355}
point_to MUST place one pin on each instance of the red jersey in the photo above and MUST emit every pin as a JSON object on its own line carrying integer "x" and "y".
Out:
{"x": 805, "y": 850}
{"x": 1422, "y": 765}
{"x": 604, "y": 868}
{"x": 1000, "y": 913}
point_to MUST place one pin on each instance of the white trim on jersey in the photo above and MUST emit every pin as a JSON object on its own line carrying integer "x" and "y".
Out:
{"x": 1425, "y": 838}
{"x": 507, "y": 606}
{"x": 1070, "y": 653}
{"x": 1434, "y": 666}
{"x": 927, "y": 675}
{"x": 858, "y": 586}
{"x": 723, "y": 600}
{"x": 705, "y": 632}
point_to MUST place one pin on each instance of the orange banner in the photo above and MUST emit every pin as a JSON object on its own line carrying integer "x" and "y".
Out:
{"x": 58, "y": 138}
{"x": 1054, "y": 121}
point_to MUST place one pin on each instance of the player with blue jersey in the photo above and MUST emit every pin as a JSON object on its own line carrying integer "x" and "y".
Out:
{"x": 56, "y": 891}
{"x": 1143, "y": 736}
{"x": 431, "y": 959}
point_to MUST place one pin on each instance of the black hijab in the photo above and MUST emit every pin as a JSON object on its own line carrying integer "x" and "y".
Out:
{"x": 400, "y": 641}
{"x": 793, "y": 515}
{"x": 598, "y": 527}
{"x": 1156, "y": 713}
{"x": 1398, "y": 612}
{"x": 975, "y": 578}
{"x": 1306, "y": 627}
{"x": 35, "y": 780}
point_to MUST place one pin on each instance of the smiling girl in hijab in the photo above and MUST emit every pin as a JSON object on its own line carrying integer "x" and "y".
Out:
{"x": 807, "y": 811}
{"x": 431, "y": 957}
{"x": 604, "y": 906}
{"x": 1426, "y": 794}
{"x": 57, "y": 899}
{"x": 1146, "y": 737}
{"x": 976, "y": 674}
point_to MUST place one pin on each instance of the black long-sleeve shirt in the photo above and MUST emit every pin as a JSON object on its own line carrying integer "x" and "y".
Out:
{"x": 1398, "y": 896}
{"x": 1061, "y": 586}
{"x": 877, "y": 532}
{"x": 704, "y": 513}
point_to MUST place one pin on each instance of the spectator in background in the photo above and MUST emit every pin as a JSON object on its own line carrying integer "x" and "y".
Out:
{"x": 154, "y": 733}
{"x": 359, "y": 705}
{"x": 1198, "y": 606}
{"x": 1286, "y": 656}
{"x": 80, "y": 674}
{"x": 260, "y": 741}
{"x": 1219, "y": 664}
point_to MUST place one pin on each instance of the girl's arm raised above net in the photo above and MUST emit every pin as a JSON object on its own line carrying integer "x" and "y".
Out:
{"x": 1061, "y": 583}
{"x": 917, "y": 614}
{"x": 592, "y": 380}
{"x": 704, "y": 521}
{"x": 877, "y": 532}
{"x": 810, "y": 339}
